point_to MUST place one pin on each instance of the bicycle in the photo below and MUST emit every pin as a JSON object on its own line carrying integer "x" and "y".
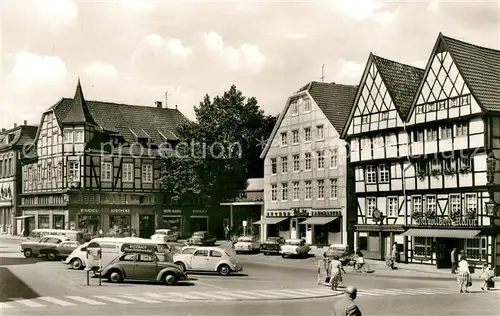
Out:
{"x": 390, "y": 262}
{"x": 365, "y": 268}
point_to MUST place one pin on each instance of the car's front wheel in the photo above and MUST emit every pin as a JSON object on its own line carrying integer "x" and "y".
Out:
{"x": 51, "y": 256}
{"x": 76, "y": 264}
{"x": 28, "y": 253}
{"x": 224, "y": 270}
{"x": 169, "y": 278}
{"x": 181, "y": 266}
{"x": 115, "y": 276}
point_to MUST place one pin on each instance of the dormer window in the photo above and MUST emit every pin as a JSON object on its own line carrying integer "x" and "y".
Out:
{"x": 68, "y": 136}
{"x": 295, "y": 108}
{"x": 79, "y": 136}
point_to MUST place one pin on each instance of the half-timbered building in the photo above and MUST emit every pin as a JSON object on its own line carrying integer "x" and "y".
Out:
{"x": 96, "y": 167}
{"x": 304, "y": 170}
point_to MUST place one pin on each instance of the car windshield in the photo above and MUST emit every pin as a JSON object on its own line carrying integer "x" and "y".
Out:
{"x": 245, "y": 239}
{"x": 273, "y": 239}
{"x": 229, "y": 252}
{"x": 162, "y": 248}
{"x": 293, "y": 242}
{"x": 199, "y": 234}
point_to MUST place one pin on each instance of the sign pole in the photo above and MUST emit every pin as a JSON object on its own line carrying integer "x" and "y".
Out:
{"x": 100, "y": 266}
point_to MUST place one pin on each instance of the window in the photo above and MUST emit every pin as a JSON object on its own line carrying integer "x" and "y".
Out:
{"x": 307, "y": 134}
{"x": 449, "y": 164}
{"x": 128, "y": 257}
{"x": 308, "y": 161}
{"x": 106, "y": 171}
{"x": 453, "y": 102}
{"x": 295, "y": 108}
{"x": 442, "y": 105}
{"x": 188, "y": 251}
{"x": 422, "y": 247}
{"x": 73, "y": 171}
{"x": 147, "y": 173}
{"x": 59, "y": 172}
{"x": 462, "y": 129}
{"x": 465, "y": 100}
{"x": 420, "y": 109}
{"x": 418, "y": 136}
{"x": 307, "y": 105}
{"x": 364, "y": 119}
{"x": 384, "y": 116}
{"x": 308, "y": 186}
{"x": 79, "y": 137}
{"x": 274, "y": 166}
{"x": 215, "y": 253}
{"x": 296, "y": 163}
{"x": 128, "y": 172}
{"x": 371, "y": 175}
{"x": 274, "y": 192}
{"x": 334, "y": 158}
{"x": 455, "y": 207}
{"x": 68, "y": 137}
{"x": 284, "y": 191}
{"x": 378, "y": 141}
{"x": 296, "y": 191}
{"x": 383, "y": 174}
{"x": 321, "y": 160}
{"x": 392, "y": 206}
{"x": 39, "y": 173}
{"x": 284, "y": 164}
{"x": 334, "y": 189}
{"x": 431, "y": 207}
{"x": 465, "y": 162}
{"x": 320, "y": 133}
{"x": 422, "y": 167}
{"x": 431, "y": 107}
{"x": 471, "y": 203}
{"x": 354, "y": 145}
{"x": 144, "y": 257}
{"x": 446, "y": 132}
{"x": 476, "y": 248}
{"x": 49, "y": 171}
{"x": 432, "y": 134}
{"x": 417, "y": 204}
{"x": 283, "y": 139}
{"x": 321, "y": 189}
{"x": 370, "y": 206}
{"x": 295, "y": 137}
{"x": 435, "y": 165}
{"x": 201, "y": 253}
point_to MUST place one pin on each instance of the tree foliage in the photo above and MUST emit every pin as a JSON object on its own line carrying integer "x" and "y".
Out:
{"x": 218, "y": 152}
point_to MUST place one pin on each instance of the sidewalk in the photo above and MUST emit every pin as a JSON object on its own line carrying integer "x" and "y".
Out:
{"x": 5, "y": 236}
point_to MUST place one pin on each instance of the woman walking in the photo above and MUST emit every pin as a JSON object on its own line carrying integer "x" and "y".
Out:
{"x": 336, "y": 272}
{"x": 487, "y": 276}
{"x": 464, "y": 278}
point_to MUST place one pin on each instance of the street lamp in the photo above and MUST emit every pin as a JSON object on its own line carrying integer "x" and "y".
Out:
{"x": 491, "y": 208}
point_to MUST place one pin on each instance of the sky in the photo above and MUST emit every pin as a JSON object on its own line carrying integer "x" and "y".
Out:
{"x": 139, "y": 52}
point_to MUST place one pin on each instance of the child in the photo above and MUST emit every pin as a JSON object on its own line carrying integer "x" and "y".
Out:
{"x": 487, "y": 276}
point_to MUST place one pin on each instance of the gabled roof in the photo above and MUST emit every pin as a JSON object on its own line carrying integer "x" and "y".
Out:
{"x": 19, "y": 136}
{"x": 478, "y": 66}
{"x": 334, "y": 100}
{"x": 78, "y": 113}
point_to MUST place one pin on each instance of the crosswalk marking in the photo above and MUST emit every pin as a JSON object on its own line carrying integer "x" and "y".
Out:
{"x": 313, "y": 292}
{"x": 29, "y": 303}
{"x": 259, "y": 295}
{"x": 231, "y": 294}
{"x": 140, "y": 299}
{"x": 5, "y": 306}
{"x": 190, "y": 296}
{"x": 211, "y": 296}
{"x": 276, "y": 293}
{"x": 164, "y": 298}
{"x": 85, "y": 300}
{"x": 56, "y": 301}
{"x": 112, "y": 299}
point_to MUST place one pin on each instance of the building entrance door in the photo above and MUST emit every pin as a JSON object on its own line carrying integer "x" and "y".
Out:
{"x": 444, "y": 246}
{"x": 146, "y": 226}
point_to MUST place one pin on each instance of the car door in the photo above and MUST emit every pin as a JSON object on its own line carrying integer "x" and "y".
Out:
{"x": 214, "y": 259}
{"x": 145, "y": 267}
{"x": 199, "y": 260}
{"x": 127, "y": 263}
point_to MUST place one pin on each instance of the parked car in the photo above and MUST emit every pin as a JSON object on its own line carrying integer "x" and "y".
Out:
{"x": 202, "y": 238}
{"x": 37, "y": 234}
{"x": 272, "y": 245}
{"x": 65, "y": 248}
{"x": 295, "y": 247}
{"x": 340, "y": 250}
{"x": 247, "y": 244}
{"x": 44, "y": 247}
{"x": 207, "y": 259}
{"x": 141, "y": 265}
{"x": 165, "y": 235}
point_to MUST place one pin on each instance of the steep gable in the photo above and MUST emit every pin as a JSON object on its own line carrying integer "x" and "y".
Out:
{"x": 78, "y": 112}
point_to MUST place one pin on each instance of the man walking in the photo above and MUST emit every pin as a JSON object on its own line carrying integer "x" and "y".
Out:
{"x": 454, "y": 260}
{"x": 346, "y": 305}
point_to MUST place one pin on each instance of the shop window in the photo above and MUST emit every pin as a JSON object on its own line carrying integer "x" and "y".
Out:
{"x": 363, "y": 243}
{"x": 422, "y": 247}
{"x": 476, "y": 248}
{"x": 89, "y": 223}
{"x": 58, "y": 221}
{"x": 119, "y": 226}
{"x": 43, "y": 222}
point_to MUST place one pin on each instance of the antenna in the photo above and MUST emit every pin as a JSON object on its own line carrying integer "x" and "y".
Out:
{"x": 166, "y": 99}
{"x": 323, "y": 73}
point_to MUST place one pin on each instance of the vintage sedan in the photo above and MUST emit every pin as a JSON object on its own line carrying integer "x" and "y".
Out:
{"x": 165, "y": 235}
{"x": 65, "y": 248}
{"x": 340, "y": 251}
{"x": 44, "y": 247}
{"x": 247, "y": 244}
{"x": 142, "y": 265}
{"x": 207, "y": 259}
{"x": 202, "y": 238}
{"x": 272, "y": 245}
{"x": 295, "y": 248}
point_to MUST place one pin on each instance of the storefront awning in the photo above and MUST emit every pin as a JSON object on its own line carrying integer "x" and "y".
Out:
{"x": 24, "y": 216}
{"x": 445, "y": 233}
{"x": 319, "y": 220}
{"x": 270, "y": 220}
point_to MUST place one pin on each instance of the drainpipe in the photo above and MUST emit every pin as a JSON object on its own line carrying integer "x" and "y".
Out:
{"x": 405, "y": 245}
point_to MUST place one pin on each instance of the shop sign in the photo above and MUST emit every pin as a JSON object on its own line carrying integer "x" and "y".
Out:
{"x": 6, "y": 191}
{"x": 300, "y": 213}
{"x": 120, "y": 210}
{"x": 89, "y": 210}
{"x": 137, "y": 247}
{"x": 59, "y": 212}
{"x": 279, "y": 214}
{"x": 464, "y": 222}
{"x": 44, "y": 212}
{"x": 172, "y": 211}
{"x": 199, "y": 211}
{"x": 327, "y": 213}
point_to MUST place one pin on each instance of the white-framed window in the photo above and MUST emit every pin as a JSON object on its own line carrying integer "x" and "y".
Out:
{"x": 422, "y": 247}
{"x": 79, "y": 136}
{"x": 462, "y": 129}
{"x": 307, "y": 161}
{"x": 321, "y": 189}
{"x": 431, "y": 204}
{"x": 295, "y": 136}
{"x": 371, "y": 174}
{"x": 365, "y": 119}
{"x": 274, "y": 192}
{"x": 39, "y": 175}
{"x": 378, "y": 141}
{"x": 384, "y": 116}
{"x": 383, "y": 174}
{"x": 274, "y": 166}
{"x": 366, "y": 143}
{"x": 320, "y": 132}
{"x": 418, "y": 136}
{"x": 432, "y": 134}
{"x": 49, "y": 171}
{"x": 471, "y": 203}
{"x": 334, "y": 158}
{"x": 392, "y": 206}
{"x": 296, "y": 191}
{"x": 431, "y": 107}
{"x": 334, "y": 189}
{"x": 307, "y": 105}
{"x": 442, "y": 105}
{"x": 284, "y": 164}
{"x": 455, "y": 205}
{"x": 73, "y": 171}
{"x": 453, "y": 102}
{"x": 68, "y": 137}
{"x": 371, "y": 204}
{"x": 477, "y": 248}
{"x": 355, "y": 144}
{"x": 296, "y": 162}
{"x": 465, "y": 162}
{"x": 147, "y": 173}
{"x": 106, "y": 171}
{"x": 321, "y": 160}
{"x": 307, "y": 134}
{"x": 284, "y": 139}
{"x": 417, "y": 204}
{"x": 128, "y": 172}
{"x": 465, "y": 100}
{"x": 435, "y": 164}
{"x": 284, "y": 191}
{"x": 308, "y": 190}
{"x": 419, "y": 109}
{"x": 295, "y": 108}
{"x": 446, "y": 132}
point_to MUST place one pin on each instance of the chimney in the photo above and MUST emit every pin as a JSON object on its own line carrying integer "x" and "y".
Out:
{"x": 176, "y": 106}
{"x": 25, "y": 122}
{"x": 158, "y": 104}
{"x": 15, "y": 125}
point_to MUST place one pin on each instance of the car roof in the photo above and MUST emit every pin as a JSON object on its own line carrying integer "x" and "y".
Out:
{"x": 138, "y": 251}
{"x": 203, "y": 248}
{"x": 63, "y": 238}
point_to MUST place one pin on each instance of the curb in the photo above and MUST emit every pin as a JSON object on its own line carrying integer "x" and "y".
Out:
{"x": 268, "y": 299}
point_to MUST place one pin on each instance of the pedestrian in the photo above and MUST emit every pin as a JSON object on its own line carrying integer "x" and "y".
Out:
{"x": 454, "y": 261}
{"x": 328, "y": 267}
{"x": 226, "y": 232}
{"x": 336, "y": 272}
{"x": 464, "y": 278}
{"x": 487, "y": 276}
{"x": 394, "y": 255}
{"x": 346, "y": 305}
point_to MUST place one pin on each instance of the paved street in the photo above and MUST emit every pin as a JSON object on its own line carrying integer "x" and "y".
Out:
{"x": 280, "y": 286}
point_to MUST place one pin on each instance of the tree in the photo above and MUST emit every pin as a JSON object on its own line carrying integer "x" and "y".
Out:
{"x": 217, "y": 153}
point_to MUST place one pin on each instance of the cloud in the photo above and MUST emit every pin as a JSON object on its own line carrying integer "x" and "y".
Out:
{"x": 348, "y": 72}
{"x": 57, "y": 13}
{"x": 363, "y": 9}
{"x": 32, "y": 69}
{"x": 433, "y": 6}
{"x": 247, "y": 57}
{"x": 168, "y": 46}
{"x": 101, "y": 71}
